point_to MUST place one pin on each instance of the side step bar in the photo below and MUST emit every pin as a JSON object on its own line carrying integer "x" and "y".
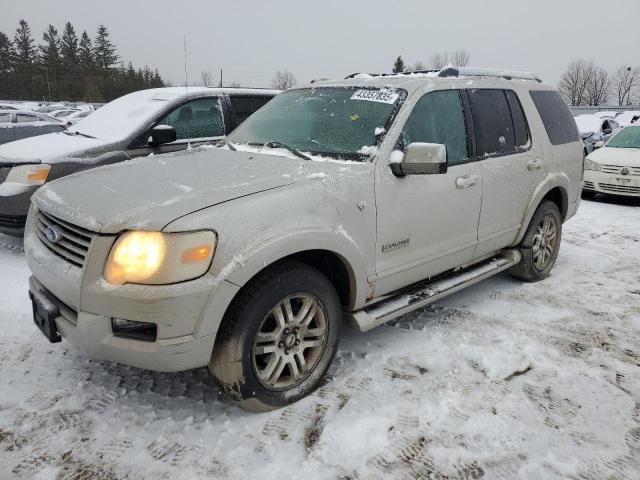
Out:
{"x": 423, "y": 293}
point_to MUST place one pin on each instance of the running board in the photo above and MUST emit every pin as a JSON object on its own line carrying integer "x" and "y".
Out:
{"x": 423, "y": 293}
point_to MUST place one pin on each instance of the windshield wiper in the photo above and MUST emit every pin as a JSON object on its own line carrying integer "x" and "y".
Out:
{"x": 73, "y": 134}
{"x": 274, "y": 144}
{"x": 230, "y": 145}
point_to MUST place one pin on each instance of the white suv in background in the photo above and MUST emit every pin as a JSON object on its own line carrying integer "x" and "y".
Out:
{"x": 359, "y": 199}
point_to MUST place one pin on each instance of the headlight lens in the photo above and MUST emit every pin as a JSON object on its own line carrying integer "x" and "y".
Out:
{"x": 29, "y": 174}
{"x": 591, "y": 165}
{"x": 155, "y": 258}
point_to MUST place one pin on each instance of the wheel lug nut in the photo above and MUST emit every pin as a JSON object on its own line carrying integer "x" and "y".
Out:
{"x": 297, "y": 342}
{"x": 286, "y": 331}
{"x": 296, "y": 330}
{"x": 286, "y": 351}
{"x": 281, "y": 344}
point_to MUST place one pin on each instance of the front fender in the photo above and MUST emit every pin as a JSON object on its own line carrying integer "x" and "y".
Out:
{"x": 552, "y": 180}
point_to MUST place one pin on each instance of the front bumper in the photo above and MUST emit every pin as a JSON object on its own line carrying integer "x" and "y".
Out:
{"x": 610, "y": 184}
{"x": 187, "y": 315}
{"x": 13, "y": 209}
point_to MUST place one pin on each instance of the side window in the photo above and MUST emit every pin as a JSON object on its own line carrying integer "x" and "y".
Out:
{"x": 491, "y": 122}
{"x": 245, "y": 106}
{"x": 5, "y": 118}
{"x": 438, "y": 117}
{"x": 25, "y": 117}
{"x": 556, "y": 117}
{"x": 606, "y": 127}
{"x": 200, "y": 118}
{"x": 520, "y": 126}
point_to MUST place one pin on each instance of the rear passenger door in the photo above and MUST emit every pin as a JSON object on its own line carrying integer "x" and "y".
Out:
{"x": 512, "y": 165}
{"x": 243, "y": 106}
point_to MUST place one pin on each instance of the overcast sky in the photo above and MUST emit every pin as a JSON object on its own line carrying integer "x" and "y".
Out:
{"x": 250, "y": 40}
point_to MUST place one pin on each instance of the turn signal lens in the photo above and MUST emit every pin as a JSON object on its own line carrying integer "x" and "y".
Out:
{"x": 29, "y": 174}
{"x": 197, "y": 254}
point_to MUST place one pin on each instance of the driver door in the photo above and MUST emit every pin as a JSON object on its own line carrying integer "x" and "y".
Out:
{"x": 196, "y": 122}
{"x": 428, "y": 224}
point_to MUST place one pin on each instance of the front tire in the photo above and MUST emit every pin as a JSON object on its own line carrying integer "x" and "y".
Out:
{"x": 278, "y": 338}
{"x": 541, "y": 243}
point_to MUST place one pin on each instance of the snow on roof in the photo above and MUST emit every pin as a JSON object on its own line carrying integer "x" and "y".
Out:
{"x": 122, "y": 117}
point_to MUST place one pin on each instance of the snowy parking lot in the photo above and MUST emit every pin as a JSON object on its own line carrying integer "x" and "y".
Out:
{"x": 503, "y": 380}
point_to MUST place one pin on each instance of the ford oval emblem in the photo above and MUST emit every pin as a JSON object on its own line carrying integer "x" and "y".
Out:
{"x": 54, "y": 234}
{"x": 625, "y": 171}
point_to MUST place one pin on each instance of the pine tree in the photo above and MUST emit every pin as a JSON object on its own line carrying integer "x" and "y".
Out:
{"x": 104, "y": 51}
{"x": 6, "y": 53}
{"x": 25, "y": 50}
{"x": 50, "y": 50}
{"x": 398, "y": 65}
{"x": 69, "y": 46}
{"x": 85, "y": 52}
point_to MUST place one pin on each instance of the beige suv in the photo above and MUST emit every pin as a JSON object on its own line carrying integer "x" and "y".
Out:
{"x": 360, "y": 199}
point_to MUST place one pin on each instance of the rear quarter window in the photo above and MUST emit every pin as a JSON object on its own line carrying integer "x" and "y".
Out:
{"x": 556, "y": 117}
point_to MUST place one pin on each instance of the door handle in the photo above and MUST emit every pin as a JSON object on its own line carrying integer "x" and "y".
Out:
{"x": 466, "y": 181}
{"x": 534, "y": 164}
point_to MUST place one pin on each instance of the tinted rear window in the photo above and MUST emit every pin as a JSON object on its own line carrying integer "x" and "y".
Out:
{"x": 556, "y": 117}
{"x": 245, "y": 106}
{"x": 520, "y": 127}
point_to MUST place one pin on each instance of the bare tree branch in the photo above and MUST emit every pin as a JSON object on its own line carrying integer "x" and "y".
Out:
{"x": 598, "y": 87}
{"x": 460, "y": 58}
{"x": 575, "y": 81}
{"x": 625, "y": 80}
{"x": 283, "y": 79}
{"x": 207, "y": 78}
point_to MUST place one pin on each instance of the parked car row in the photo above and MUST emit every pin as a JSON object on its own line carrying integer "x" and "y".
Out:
{"x": 333, "y": 201}
{"x": 19, "y": 124}
{"x": 138, "y": 124}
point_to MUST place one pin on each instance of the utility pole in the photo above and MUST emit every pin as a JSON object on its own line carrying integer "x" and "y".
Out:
{"x": 220, "y": 78}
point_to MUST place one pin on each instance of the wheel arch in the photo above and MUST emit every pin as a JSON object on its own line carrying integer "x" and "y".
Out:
{"x": 555, "y": 188}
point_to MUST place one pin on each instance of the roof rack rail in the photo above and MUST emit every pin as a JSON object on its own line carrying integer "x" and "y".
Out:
{"x": 451, "y": 71}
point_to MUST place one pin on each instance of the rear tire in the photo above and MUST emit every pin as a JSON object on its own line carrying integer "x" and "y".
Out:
{"x": 278, "y": 337}
{"x": 541, "y": 243}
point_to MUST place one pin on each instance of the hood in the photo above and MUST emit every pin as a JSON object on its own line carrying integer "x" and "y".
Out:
{"x": 622, "y": 157}
{"x": 150, "y": 192}
{"x": 48, "y": 148}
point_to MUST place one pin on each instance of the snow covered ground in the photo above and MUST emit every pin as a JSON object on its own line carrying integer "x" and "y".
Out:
{"x": 504, "y": 380}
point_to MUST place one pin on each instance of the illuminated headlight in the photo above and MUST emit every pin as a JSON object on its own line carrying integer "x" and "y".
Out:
{"x": 29, "y": 174}
{"x": 591, "y": 165}
{"x": 155, "y": 258}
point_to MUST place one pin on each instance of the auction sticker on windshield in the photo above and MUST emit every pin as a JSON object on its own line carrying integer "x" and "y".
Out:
{"x": 380, "y": 96}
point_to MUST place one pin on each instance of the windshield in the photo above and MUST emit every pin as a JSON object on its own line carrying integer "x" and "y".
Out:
{"x": 333, "y": 121}
{"x": 119, "y": 119}
{"x": 628, "y": 137}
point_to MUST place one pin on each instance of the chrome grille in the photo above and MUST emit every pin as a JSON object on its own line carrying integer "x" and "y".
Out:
{"x": 615, "y": 169}
{"x": 619, "y": 188}
{"x": 74, "y": 242}
{"x": 588, "y": 185}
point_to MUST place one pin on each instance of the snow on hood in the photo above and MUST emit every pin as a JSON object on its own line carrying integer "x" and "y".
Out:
{"x": 588, "y": 123}
{"x": 47, "y": 148}
{"x": 621, "y": 157}
{"x": 150, "y": 192}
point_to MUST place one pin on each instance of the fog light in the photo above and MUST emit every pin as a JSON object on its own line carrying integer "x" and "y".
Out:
{"x": 146, "y": 332}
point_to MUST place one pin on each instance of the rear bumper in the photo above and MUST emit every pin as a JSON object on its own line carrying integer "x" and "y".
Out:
{"x": 599, "y": 182}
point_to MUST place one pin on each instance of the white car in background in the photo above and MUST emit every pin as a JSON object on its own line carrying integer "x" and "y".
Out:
{"x": 627, "y": 118}
{"x": 615, "y": 168}
{"x": 63, "y": 113}
{"x": 75, "y": 117}
{"x": 607, "y": 113}
{"x": 594, "y": 129}
{"x": 21, "y": 124}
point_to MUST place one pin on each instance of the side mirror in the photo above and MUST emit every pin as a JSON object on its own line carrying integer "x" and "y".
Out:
{"x": 422, "y": 159}
{"x": 598, "y": 144}
{"x": 162, "y": 134}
